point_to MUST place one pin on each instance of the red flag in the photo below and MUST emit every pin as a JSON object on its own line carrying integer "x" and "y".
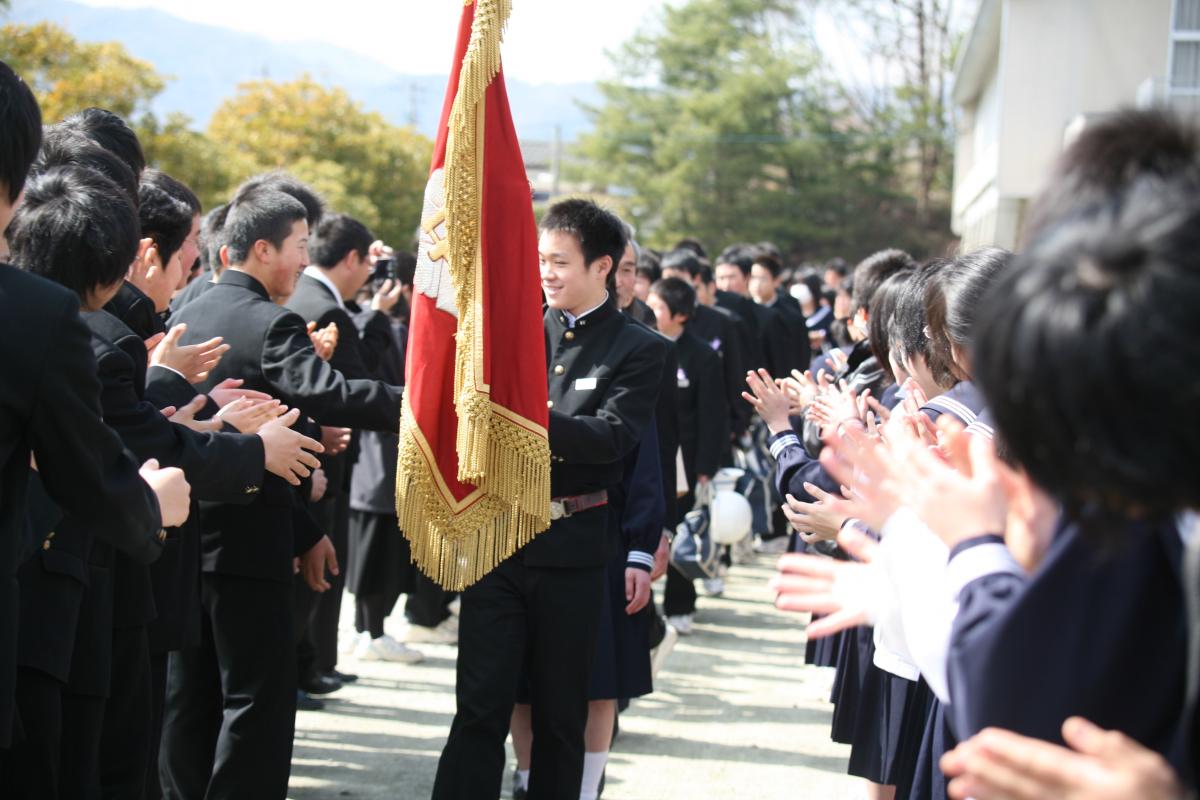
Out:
{"x": 473, "y": 480}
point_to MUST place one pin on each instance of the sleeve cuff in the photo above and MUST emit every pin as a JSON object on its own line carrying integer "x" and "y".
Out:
{"x": 640, "y": 560}
{"x": 974, "y": 558}
{"x": 168, "y": 369}
{"x": 782, "y": 441}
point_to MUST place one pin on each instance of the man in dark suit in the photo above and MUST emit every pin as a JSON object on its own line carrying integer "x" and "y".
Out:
{"x": 244, "y": 670}
{"x": 339, "y": 269}
{"x": 773, "y": 340}
{"x": 541, "y": 607}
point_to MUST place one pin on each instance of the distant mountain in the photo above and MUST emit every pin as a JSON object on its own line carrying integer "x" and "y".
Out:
{"x": 205, "y": 63}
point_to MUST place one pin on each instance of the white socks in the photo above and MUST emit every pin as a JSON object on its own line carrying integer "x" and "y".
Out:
{"x": 593, "y": 769}
{"x": 523, "y": 778}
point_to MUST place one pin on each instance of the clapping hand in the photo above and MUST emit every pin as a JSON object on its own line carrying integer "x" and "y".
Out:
{"x": 248, "y": 415}
{"x": 816, "y": 521}
{"x": 768, "y": 400}
{"x": 193, "y": 361}
{"x": 186, "y": 416}
{"x": 1097, "y": 765}
{"x": 841, "y": 590}
{"x": 325, "y": 340}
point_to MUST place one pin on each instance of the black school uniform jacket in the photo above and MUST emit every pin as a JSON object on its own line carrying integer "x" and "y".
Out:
{"x": 135, "y": 308}
{"x": 604, "y": 377}
{"x": 50, "y": 406}
{"x": 717, "y": 327}
{"x": 219, "y": 467}
{"x": 271, "y": 351}
{"x": 373, "y": 476}
{"x": 702, "y": 405}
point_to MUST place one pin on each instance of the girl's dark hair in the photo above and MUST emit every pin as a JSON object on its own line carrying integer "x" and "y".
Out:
{"x": 910, "y": 329}
{"x": 952, "y": 298}
{"x": 1086, "y": 350}
{"x": 880, "y": 314}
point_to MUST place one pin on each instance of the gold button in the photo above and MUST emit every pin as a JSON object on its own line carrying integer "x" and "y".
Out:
{"x": 162, "y": 534}
{"x": 50, "y": 535}
{"x": 46, "y": 545}
{"x": 569, "y": 336}
{"x": 559, "y": 370}
{"x": 549, "y": 404}
{"x": 582, "y": 322}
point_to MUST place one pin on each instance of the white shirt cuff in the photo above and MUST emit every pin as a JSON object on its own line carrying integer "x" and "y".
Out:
{"x": 969, "y": 565}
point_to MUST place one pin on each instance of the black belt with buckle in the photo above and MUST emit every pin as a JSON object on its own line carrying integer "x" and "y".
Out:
{"x": 563, "y": 507}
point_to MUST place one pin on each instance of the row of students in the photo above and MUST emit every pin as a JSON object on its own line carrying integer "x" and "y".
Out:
{"x": 1039, "y": 599}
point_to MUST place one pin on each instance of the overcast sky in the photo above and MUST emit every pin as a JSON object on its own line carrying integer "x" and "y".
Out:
{"x": 558, "y": 41}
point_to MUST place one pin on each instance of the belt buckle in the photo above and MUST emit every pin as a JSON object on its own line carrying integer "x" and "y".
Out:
{"x": 558, "y": 510}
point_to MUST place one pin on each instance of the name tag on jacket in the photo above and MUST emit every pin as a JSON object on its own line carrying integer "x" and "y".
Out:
{"x": 585, "y": 384}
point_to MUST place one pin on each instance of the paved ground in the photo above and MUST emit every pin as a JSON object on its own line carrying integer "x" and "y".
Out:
{"x": 736, "y": 715}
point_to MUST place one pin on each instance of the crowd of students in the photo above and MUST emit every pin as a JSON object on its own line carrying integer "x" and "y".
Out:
{"x": 980, "y": 465}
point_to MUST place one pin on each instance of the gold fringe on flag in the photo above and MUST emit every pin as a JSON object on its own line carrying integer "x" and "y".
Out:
{"x": 507, "y": 458}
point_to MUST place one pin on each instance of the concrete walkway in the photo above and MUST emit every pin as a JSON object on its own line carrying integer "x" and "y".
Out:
{"x": 736, "y": 715}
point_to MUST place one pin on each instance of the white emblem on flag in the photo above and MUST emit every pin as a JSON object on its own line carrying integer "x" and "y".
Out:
{"x": 432, "y": 277}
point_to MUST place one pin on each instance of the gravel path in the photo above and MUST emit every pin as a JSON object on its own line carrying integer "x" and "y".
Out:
{"x": 736, "y": 715}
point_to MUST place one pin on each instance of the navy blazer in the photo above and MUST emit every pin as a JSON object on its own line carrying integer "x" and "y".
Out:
{"x": 1098, "y": 631}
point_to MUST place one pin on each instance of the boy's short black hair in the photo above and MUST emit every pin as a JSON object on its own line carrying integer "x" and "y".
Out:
{"x": 174, "y": 187}
{"x": 1094, "y": 327}
{"x": 64, "y": 147}
{"x": 314, "y": 206}
{"x": 599, "y": 231}
{"x": 678, "y": 294}
{"x": 111, "y": 132}
{"x": 706, "y": 276}
{"x": 212, "y": 237}
{"x": 649, "y": 264}
{"x": 837, "y": 266}
{"x": 406, "y": 268}
{"x": 740, "y": 255}
{"x": 337, "y": 235}
{"x": 693, "y": 246}
{"x": 21, "y": 121}
{"x": 683, "y": 260}
{"x": 163, "y": 216}
{"x": 768, "y": 262}
{"x": 76, "y": 228}
{"x": 260, "y": 214}
{"x": 874, "y": 270}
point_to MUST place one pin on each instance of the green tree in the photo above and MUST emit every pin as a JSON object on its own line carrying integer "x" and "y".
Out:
{"x": 361, "y": 163}
{"x": 720, "y": 125}
{"x": 67, "y": 75}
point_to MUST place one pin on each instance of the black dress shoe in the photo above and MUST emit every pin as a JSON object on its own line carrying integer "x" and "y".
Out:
{"x": 320, "y": 684}
{"x": 343, "y": 677}
{"x": 306, "y": 702}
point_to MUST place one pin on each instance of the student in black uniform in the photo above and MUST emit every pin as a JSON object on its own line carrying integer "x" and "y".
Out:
{"x": 625, "y": 280}
{"x": 774, "y": 348}
{"x": 210, "y": 257}
{"x": 540, "y": 608}
{"x": 763, "y": 286}
{"x": 244, "y": 670}
{"x": 49, "y": 403}
{"x": 703, "y": 422}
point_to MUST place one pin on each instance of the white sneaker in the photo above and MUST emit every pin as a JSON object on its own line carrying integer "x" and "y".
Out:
{"x": 658, "y": 656}
{"x": 385, "y": 648}
{"x": 348, "y": 641}
{"x": 714, "y": 587}
{"x": 773, "y": 547}
{"x": 444, "y": 633}
{"x": 682, "y": 623}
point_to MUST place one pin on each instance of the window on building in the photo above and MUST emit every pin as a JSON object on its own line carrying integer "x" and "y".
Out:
{"x": 1185, "y": 47}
